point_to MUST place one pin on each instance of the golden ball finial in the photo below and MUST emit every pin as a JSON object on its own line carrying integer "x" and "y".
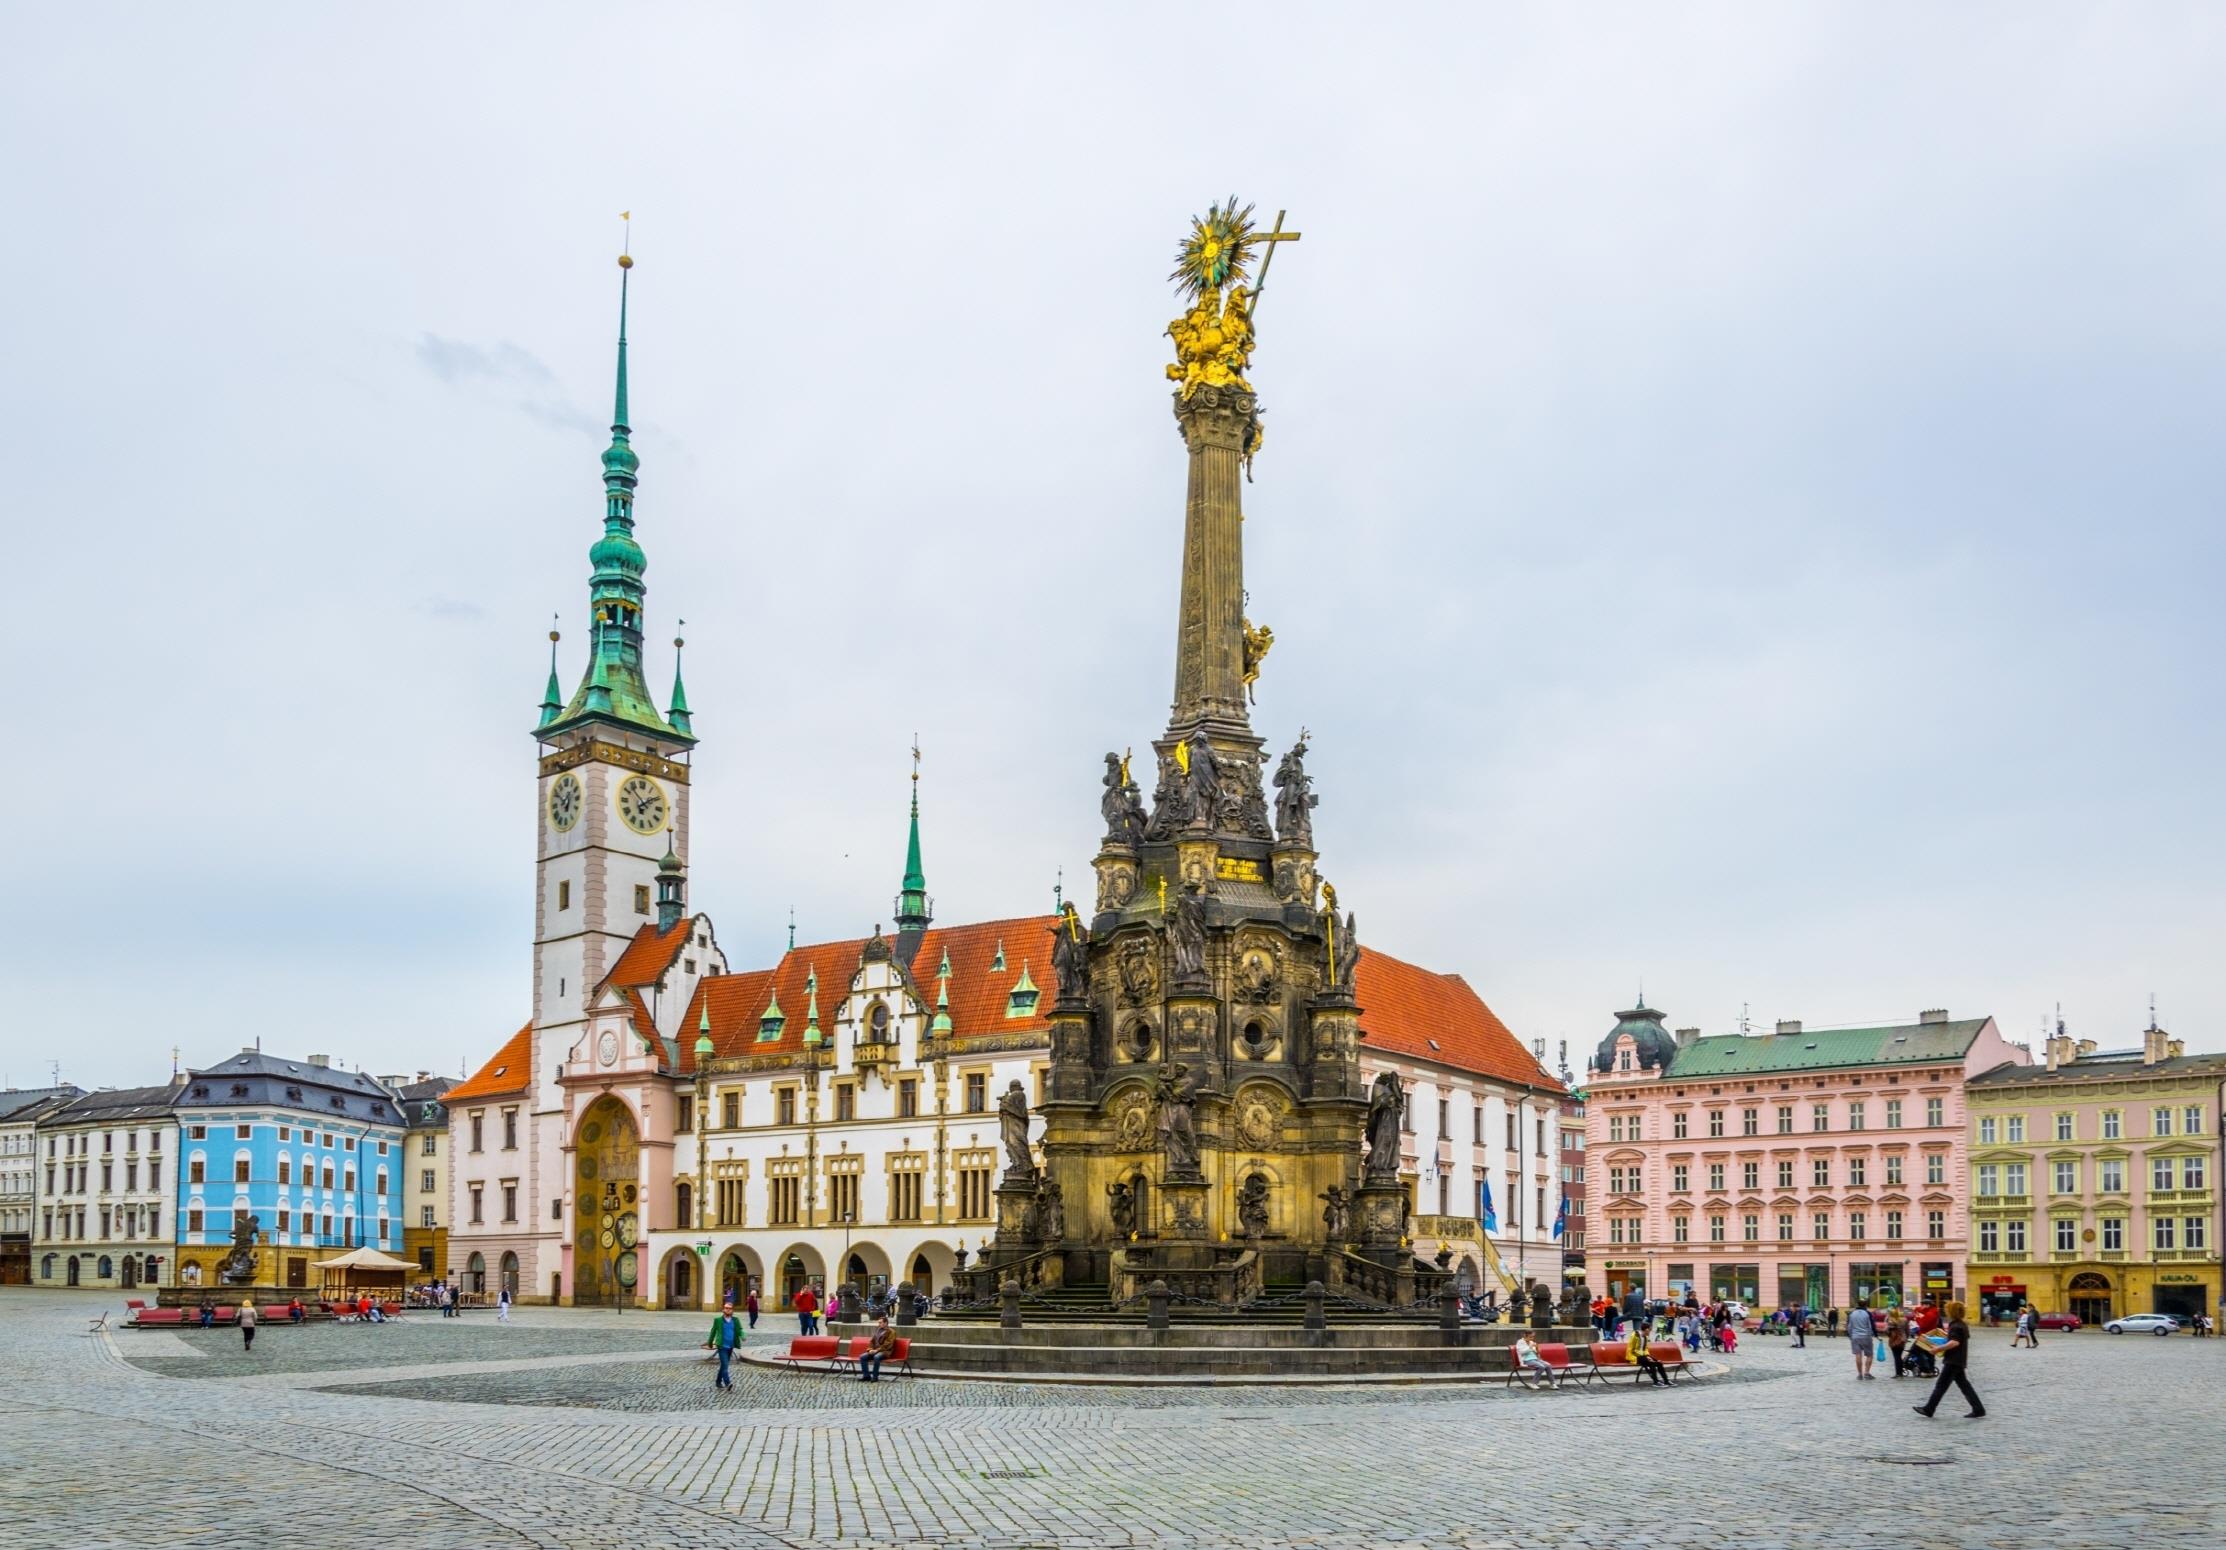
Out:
{"x": 625, "y": 260}
{"x": 677, "y": 643}
{"x": 553, "y": 635}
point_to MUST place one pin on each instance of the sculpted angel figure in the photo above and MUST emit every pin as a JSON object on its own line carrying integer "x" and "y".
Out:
{"x": 1257, "y": 640}
{"x": 1120, "y": 1209}
{"x": 1252, "y": 1206}
{"x": 1336, "y": 1214}
{"x": 1122, "y": 804}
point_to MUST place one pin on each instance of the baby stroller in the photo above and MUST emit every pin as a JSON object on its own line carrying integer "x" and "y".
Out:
{"x": 1917, "y": 1359}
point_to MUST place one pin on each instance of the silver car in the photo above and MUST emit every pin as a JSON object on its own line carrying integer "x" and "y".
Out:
{"x": 2143, "y": 1323}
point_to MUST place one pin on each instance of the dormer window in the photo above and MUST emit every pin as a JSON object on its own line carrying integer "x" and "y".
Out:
{"x": 239, "y": 1089}
{"x": 293, "y": 1094}
{"x": 1623, "y": 1059}
{"x": 770, "y": 1025}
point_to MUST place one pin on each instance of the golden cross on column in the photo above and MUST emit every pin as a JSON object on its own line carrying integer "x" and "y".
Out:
{"x": 1271, "y": 238}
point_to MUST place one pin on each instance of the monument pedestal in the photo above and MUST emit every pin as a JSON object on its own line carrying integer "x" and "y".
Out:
{"x": 1183, "y": 1210}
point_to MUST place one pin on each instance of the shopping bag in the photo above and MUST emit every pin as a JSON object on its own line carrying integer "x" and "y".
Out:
{"x": 1879, "y": 1354}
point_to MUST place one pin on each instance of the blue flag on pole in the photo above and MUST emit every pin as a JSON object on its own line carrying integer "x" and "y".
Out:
{"x": 1484, "y": 1207}
{"x": 1561, "y": 1217}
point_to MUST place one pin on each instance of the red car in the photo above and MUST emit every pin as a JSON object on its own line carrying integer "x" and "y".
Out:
{"x": 2059, "y": 1321}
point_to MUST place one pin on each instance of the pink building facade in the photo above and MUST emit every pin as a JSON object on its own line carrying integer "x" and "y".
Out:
{"x": 1797, "y": 1167}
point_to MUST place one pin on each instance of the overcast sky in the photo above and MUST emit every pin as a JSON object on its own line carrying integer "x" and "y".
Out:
{"x": 1740, "y": 509}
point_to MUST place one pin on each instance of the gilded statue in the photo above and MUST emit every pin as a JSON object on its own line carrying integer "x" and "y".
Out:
{"x": 1214, "y": 336}
{"x": 1257, "y": 639}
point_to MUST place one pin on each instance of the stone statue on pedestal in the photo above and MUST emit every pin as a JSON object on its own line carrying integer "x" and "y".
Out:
{"x": 1012, "y": 1128}
{"x": 1120, "y": 1209}
{"x": 1178, "y": 1137}
{"x": 1122, "y": 804}
{"x": 1070, "y": 955}
{"x": 1295, "y": 800}
{"x": 1186, "y": 936}
{"x": 1387, "y": 1103}
{"x": 1205, "y": 782}
{"x": 238, "y": 1267}
{"x": 1051, "y": 1212}
{"x": 1337, "y": 1215}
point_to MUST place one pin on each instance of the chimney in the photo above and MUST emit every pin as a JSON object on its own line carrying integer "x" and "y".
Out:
{"x": 1789, "y": 1025}
{"x": 2174, "y": 1048}
{"x": 1932, "y": 1014}
{"x": 1687, "y": 1036}
{"x": 2153, "y": 1041}
{"x": 321, "y": 1061}
{"x": 247, "y": 1049}
{"x": 177, "y": 1079}
{"x": 2085, "y": 1047}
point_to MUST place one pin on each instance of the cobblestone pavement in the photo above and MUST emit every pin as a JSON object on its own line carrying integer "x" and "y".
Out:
{"x": 571, "y": 1428}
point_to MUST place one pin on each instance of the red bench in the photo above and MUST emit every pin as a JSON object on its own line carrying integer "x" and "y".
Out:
{"x": 1672, "y": 1357}
{"x": 841, "y": 1354}
{"x": 1557, "y": 1359}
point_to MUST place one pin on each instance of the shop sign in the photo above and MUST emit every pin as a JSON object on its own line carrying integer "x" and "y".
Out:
{"x": 2004, "y": 1281}
{"x": 2179, "y": 1276}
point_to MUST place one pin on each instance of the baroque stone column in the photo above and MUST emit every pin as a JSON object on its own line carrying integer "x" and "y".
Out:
{"x": 1216, "y": 423}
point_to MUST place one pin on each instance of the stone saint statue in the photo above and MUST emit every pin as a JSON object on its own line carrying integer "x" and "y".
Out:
{"x": 1178, "y": 1138}
{"x": 1120, "y": 1209}
{"x": 1051, "y": 1207}
{"x": 1070, "y": 955}
{"x": 1122, "y": 804}
{"x": 1295, "y": 800}
{"x": 1186, "y": 935}
{"x": 1337, "y": 1215}
{"x": 1387, "y": 1102}
{"x": 1205, "y": 782}
{"x": 1252, "y": 1206}
{"x": 1012, "y": 1127}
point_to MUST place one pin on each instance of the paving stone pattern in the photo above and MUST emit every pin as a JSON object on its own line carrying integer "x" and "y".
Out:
{"x": 571, "y": 1428}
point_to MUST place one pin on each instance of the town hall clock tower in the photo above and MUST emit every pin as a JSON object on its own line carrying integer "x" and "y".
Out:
{"x": 612, "y": 817}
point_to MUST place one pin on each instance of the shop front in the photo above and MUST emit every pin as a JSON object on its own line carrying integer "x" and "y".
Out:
{"x": 1681, "y": 1282}
{"x": 1736, "y": 1283}
{"x": 1625, "y": 1276}
{"x": 2184, "y": 1292}
{"x": 1804, "y": 1286}
{"x": 1880, "y": 1283}
{"x": 2000, "y": 1295}
{"x": 1936, "y": 1278}
{"x": 2089, "y": 1297}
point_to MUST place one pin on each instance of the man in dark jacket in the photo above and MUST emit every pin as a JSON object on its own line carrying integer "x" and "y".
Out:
{"x": 726, "y": 1334}
{"x": 1955, "y": 1361}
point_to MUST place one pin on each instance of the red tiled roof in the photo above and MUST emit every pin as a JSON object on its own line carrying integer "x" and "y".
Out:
{"x": 510, "y": 1072}
{"x": 980, "y": 993}
{"x": 1411, "y": 1011}
{"x": 645, "y": 1025}
{"x": 649, "y": 955}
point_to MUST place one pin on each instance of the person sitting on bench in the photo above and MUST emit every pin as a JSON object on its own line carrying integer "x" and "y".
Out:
{"x": 876, "y": 1351}
{"x": 1643, "y": 1359}
{"x": 1533, "y": 1366}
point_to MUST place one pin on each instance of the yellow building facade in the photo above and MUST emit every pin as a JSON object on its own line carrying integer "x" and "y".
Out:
{"x": 2094, "y": 1181}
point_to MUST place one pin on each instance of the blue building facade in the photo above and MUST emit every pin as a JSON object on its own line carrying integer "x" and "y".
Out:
{"x": 312, "y": 1153}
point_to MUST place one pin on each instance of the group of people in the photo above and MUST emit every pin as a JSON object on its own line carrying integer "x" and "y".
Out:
{"x": 728, "y": 1332}
{"x": 1692, "y": 1323}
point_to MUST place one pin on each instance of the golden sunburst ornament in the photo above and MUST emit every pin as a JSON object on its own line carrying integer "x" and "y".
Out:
{"x": 1217, "y": 250}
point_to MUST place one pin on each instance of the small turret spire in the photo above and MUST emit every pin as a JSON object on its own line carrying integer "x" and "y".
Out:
{"x": 552, "y": 698}
{"x": 914, "y": 908}
{"x": 677, "y": 714}
{"x": 812, "y": 1033}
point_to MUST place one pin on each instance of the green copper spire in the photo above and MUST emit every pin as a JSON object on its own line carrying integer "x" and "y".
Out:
{"x": 677, "y": 714}
{"x": 941, "y": 1027}
{"x": 703, "y": 1030}
{"x": 613, "y": 690}
{"x": 914, "y": 908}
{"x": 812, "y": 1034}
{"x": 552, "y": 698}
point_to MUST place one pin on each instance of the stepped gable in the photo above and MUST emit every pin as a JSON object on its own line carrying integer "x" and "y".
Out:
{"x": 1410, "y": 1010}
{"x": 509, "y": 1073}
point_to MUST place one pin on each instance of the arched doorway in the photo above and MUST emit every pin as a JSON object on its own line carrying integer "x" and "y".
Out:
{"x": 738, "y": 1273}
{"x": 1464, "y": 1277}
{"x": 510, "y": 1274}
{"x": 131, "y": 1271}
{"x": 475, "y": 1273}
{"x": 73, "y": 1270}
{"x": 796, "y": 1269}
{"x": 606, "y": 1262}
{"x": 678, "y": 1281}
{"x": 867, "y": 1268}
{"x": 106, "y": 1268}
{"x": 2090, "y": 1296}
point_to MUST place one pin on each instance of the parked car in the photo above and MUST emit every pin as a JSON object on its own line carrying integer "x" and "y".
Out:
{"x": 2059, "y": 1321}
{"x": 2143, "y": 1324}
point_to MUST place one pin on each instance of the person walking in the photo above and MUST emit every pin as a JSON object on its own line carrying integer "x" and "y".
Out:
{"x": 751, "y": 1304}
{"x": 1832, "y": 1322}
{"x": 1897, "y": 1337}
{"x": 726, "y": 1334}
{"x": 502, "y": 1306}
{"x": 1955, "y": 1366}
{"x": 247, "y": 1326}
{"x": 1862, "y": 1337}
{"x": 807, "y": 1309}
{"x": 1800, "y": 1319}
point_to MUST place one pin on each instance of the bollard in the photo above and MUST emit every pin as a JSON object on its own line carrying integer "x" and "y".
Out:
{"x": 1008, "y": 1305}
{"x": 1449, "y": 1306}
{"x": 908, "y": 1312}
{"x": 1316, "y": 1318}
{"x": 1155, "y": 1305}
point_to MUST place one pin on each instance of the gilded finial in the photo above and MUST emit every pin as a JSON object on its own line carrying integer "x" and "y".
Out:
{"x": 625, "y": 256}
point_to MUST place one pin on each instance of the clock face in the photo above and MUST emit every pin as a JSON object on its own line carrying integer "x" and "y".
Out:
{"x": 641, "y": 802}
{"x": 607, "y": 1048}
{"x": 564, "y": 802}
